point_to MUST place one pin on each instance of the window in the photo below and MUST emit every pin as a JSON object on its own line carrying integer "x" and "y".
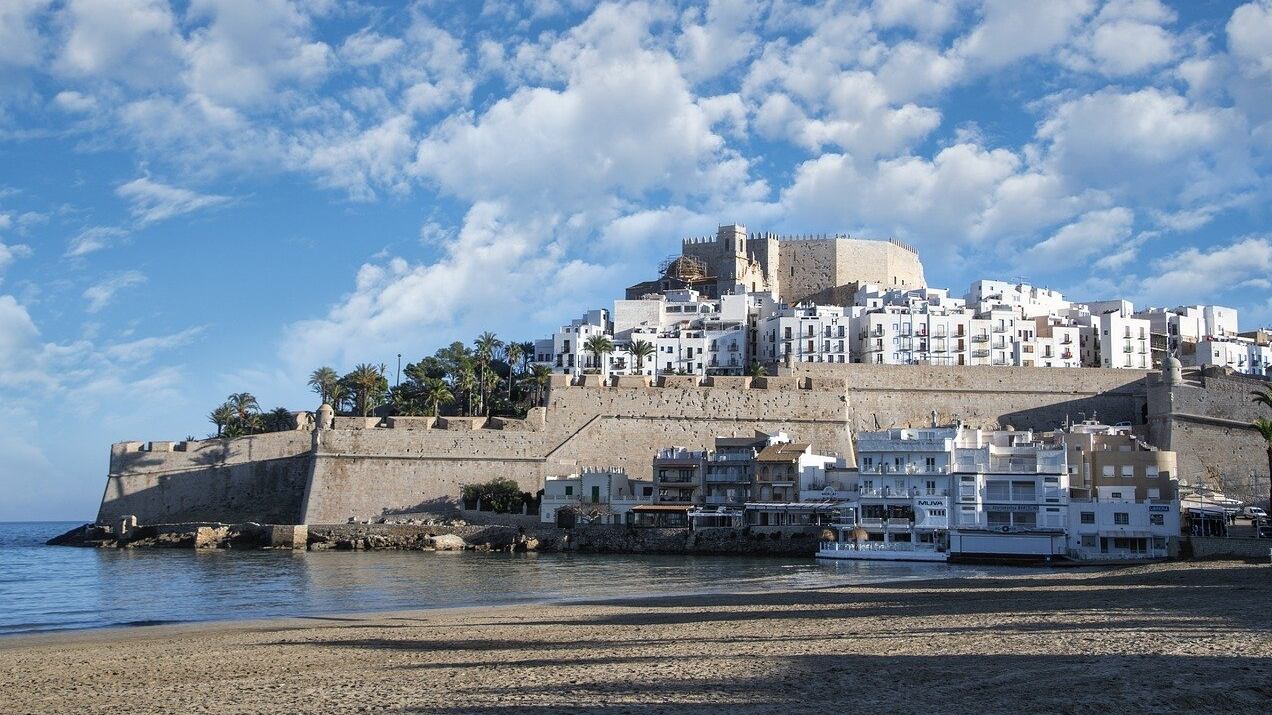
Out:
{"x": 1023, "y": 491}
{"x": 569, "y": 491}
{"x": 1157, "y": 519}
{"x": 1154, "y": 494}
{"x": 596, "y": 495}
{"x": 1127, "y": 470}
{"x": 1108, "y": 470}
{"x": 1088, "y": 517}
{"x": 1121, "y": 518}
{"x": 998, "y": 491}
{"x": 1150, "y": 472}
{"x": 867, "y": 463}
{"x": 929, "y": 463}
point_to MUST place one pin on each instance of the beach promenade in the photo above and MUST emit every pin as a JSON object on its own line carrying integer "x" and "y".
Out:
{"x": 1182, "y": 637}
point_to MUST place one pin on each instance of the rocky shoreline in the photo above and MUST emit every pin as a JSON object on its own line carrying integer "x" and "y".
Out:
{"x": 453, "y": 535}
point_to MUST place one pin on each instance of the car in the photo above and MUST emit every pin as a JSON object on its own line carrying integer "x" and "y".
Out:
{"x": 1254, "y": 513}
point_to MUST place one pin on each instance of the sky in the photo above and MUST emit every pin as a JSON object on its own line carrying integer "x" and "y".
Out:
{"x": 216, "y": 196}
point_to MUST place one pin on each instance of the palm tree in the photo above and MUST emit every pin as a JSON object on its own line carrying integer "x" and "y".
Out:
{"x": 540, "y": 375}
{"x": 323, "y": 381}
{"x": 1264, "y": 425}
{"x": 599, "y": 345}
{"x": 435, "y": 391}
{"x": 641, "y": 349}
{"x": 244, "y": 405}
{"x": 368, "y": 384}
{"x": 486, "y": 344}
{"x": 756, "y": 369}
{"x": 465, "y": 380}
{"x": 527, "y": 355}
{"x": 340, "y": 396}
{"x": 279, "y": 419}
{"x": 221, "y": 417}
{"x": 1262, "y": 396}
{"x": 513, "y": 354}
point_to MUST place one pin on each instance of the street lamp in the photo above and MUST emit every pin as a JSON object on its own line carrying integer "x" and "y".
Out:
{"x": 398, "y": 381}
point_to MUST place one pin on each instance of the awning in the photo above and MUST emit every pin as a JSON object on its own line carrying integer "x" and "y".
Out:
{"x": 662, "y": 507}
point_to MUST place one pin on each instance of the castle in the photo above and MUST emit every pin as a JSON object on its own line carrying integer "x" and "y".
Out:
{"x": 793, "y": 268}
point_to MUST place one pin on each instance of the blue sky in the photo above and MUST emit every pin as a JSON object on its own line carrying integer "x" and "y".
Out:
{"x": 211, "y": 196}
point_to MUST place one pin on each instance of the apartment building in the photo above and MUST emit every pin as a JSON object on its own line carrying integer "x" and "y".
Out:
{"x": 805, "y": 333}
{"x": 678, "y": 476}
{"x": 1010, "y": 495}
{"x": 1116, "y": 339}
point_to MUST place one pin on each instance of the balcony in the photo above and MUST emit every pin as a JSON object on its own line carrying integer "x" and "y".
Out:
{"x": 980, "y": 338}
{"x": 717, "y": 500}
{"x": 728, "y": 478}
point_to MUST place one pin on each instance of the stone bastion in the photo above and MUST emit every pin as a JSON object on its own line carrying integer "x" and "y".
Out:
{"x": 368, "y": 468}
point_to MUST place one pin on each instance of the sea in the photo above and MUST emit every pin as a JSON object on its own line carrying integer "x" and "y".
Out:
{"x": 49, "y": 588}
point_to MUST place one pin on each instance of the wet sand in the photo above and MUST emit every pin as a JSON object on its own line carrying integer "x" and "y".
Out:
{"x": 1185, "y": 637}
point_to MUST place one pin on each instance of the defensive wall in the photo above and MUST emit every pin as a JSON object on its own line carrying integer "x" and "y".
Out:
{"x": 369, "y": 468}
{"x": 1206, "y": 420}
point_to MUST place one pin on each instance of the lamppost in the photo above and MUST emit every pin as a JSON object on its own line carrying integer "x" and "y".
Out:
{"x": 398, "y": 381}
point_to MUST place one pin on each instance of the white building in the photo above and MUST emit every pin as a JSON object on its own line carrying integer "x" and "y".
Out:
{"x": 1026, "y": 300}
{"x": 1115, "y": 339}
{"x": 1010, "y": 495}
{"x": 805, "y": 333}
{"x": 594, "y": 496}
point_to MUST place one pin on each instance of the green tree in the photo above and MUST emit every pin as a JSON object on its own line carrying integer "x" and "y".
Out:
{"x": 221, "y": 417}
{"x": 1262, "y": 396}
{"x": 540, "y": 376}
{"x": 368, "y": 386}
{"x": 279, "y": 419}
{"x": 756, "y": 369}
{"x": 484, "y": 347}
{"x": 244, "y": 405}
{"x": 434, "y": 391}
{"x": 500, "y": 495}
{"x": 513, "y": 354}
{"x": 324, "y": 381}
{"x": 1264, "y": 426}
{"x": 599, "y": 345}
{"x": 641, "y": 349}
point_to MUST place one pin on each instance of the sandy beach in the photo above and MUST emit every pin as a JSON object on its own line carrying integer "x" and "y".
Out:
{"x": 1185, "y": 637}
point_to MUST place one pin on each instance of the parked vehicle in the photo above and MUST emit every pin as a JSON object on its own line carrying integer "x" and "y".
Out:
{"x": 1254, "y": 513}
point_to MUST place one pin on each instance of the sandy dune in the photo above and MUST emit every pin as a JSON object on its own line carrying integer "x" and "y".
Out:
{"x": 1187, "y": 637}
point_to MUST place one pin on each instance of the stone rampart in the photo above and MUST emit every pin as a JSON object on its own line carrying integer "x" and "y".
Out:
{"x": 418, "y": 466}
{"x": 258, "y": 478}
{"x": 1206, "y": 420}
{"x": 883, "y": 396}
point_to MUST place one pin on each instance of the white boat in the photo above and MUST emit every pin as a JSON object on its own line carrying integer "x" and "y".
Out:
{"x": 880, "y": 551}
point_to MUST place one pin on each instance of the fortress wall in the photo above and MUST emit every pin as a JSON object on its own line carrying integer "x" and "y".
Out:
{"x": 259, "y": 478}
{"x": 882, "y": 396}
{"x": 1208, "y": 425}
{"x": 805, "y": 267}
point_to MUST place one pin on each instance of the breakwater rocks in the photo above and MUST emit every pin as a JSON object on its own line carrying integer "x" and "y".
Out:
{"x": 348, "y": 537}
{"x": 746, "y": 540}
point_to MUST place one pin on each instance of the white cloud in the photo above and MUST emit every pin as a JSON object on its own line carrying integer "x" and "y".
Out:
{"x": 1250, "y": 37}
{"x": 365, "y": 47}
{"x": 709, "y": 47}
{"x": 152, "y": 201}
{"x": 1096, "y": 232}
{"x": 20, "y": 41}
{"x": 248, "y": 47}
{"x": 18, "y": 342}
{"x": 1011, "y": 30}
{"x": 1148, "y": 143}
{"x": 143, "y": 350}
{"x": 135, "y": 41}
{"x": 928, "y": 17}
{"x": 94, "y": 238}
{"x": 76, "y": 102}
{"x": 1197, "y": 275}
{"x": 11, "y": 252}
{"x": 101, "y": 293}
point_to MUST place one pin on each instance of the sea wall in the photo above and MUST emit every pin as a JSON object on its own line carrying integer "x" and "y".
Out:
{"x": 259, "y": 478}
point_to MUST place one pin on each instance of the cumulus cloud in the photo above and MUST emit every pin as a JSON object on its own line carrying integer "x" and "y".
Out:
{"x": 152, "y": 201}
{"x": 101, "y": 293}
{"x": 20, "y": 42}
{"x": 133, "y": 41}
{"x": 1096, "y": 232}
{"x": 1198, "y": 275}
{"x": 717, "y": 39}
{"x": 1010, "y": 30}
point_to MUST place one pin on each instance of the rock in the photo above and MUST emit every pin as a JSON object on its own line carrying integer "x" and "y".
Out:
{"x": 448, "y": 542}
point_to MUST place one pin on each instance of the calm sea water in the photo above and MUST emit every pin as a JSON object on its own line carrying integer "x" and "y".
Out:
{"x": 57, "y": 587}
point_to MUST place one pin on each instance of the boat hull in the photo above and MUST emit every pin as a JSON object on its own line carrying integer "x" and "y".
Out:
{"x": 883, "y": 555}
